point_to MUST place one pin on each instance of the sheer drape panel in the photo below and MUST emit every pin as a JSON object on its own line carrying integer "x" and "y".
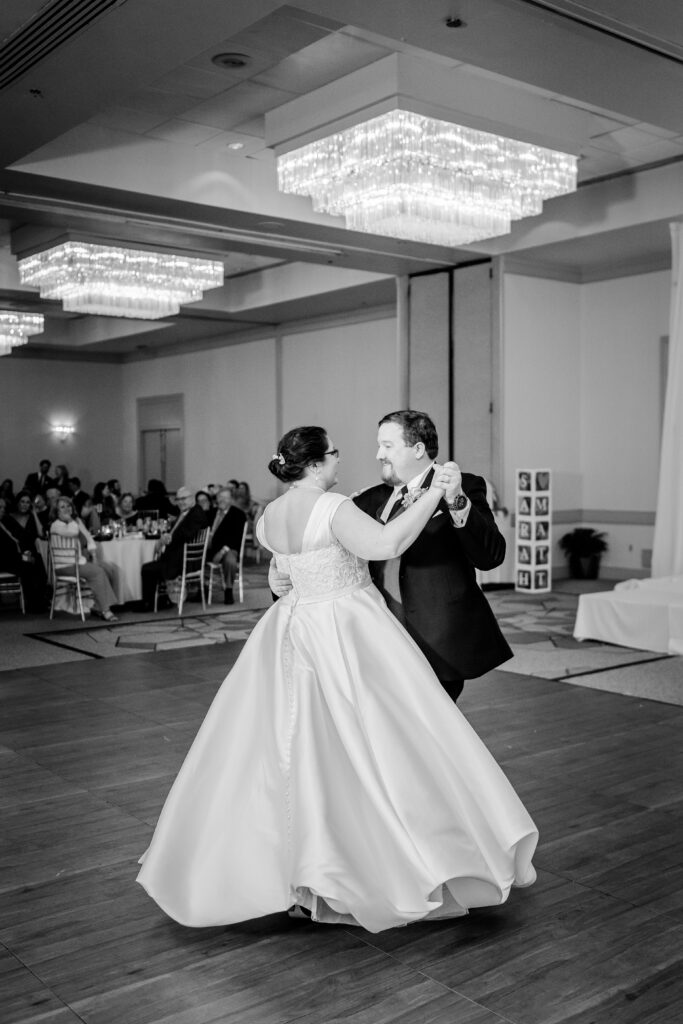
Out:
{"x": 667, "y": 554}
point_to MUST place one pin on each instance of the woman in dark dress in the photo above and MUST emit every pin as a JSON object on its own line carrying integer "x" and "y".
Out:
{"x": 28, "y": 527}
{"x": 24, "y": 563}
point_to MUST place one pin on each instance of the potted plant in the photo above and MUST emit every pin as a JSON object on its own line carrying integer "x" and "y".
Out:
{"x": 583, "y": 547}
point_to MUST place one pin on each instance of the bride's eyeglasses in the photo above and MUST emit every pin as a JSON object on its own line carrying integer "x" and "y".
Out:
{"x": 333, "y": 451}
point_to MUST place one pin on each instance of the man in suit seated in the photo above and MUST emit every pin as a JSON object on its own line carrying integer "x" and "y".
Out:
{"x": 225, "y": 539}
{"x": 169, "y": 562}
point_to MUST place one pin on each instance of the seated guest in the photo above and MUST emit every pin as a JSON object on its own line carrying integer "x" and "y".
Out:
{"x": 38, "y": 483}
{"x": 67, "y": 524}
{"x": 89, "y": 516}
{"x": 61, "y": 480}
{"x": 203, "y": 499}
{"x": 28, "y": 525}
{"x": 169, "y": 563}
{"x": 52, "y": 496}
{"x": 225, "y": 539}
{"x": 78, "y": 495}
{"x": 42, "y": 511}
{"x": 156, "y": 500}
{"x": 125, "y": 508}
{"x": 7, "y": 492}
{"x": 104, "y": 502}
{"x": 114, "y": 488}
{"x": 243, "y": 499}
{"x": 24, "y": 563}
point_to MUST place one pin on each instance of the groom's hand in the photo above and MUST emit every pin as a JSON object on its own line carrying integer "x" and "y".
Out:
{"x": 279, "y": 582}
{"x": 447, "y": 478}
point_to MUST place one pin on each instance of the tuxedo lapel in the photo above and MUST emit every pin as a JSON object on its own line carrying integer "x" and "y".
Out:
{"x": 398, "y": 508}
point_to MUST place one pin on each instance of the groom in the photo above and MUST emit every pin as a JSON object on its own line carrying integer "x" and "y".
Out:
{"x": 431, "y": 588}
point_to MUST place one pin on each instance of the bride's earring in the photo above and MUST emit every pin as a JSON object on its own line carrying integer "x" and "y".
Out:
{"x": 316, "y": 472}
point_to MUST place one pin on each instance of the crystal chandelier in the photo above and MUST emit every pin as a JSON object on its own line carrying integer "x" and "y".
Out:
{"x": 16, "y": 329}
{"x": 409, "y": 176}
{"x": 111, "y": 281}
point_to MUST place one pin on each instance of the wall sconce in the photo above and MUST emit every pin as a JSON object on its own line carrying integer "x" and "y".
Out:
{"x": 63, "y": 430}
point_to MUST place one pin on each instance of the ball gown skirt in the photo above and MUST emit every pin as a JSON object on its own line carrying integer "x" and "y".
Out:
{"x": 332, "y": 771}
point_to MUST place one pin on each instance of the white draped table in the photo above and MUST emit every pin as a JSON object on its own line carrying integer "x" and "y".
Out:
{"x": 126, "y": 556}
{"x": 644, "y": 614}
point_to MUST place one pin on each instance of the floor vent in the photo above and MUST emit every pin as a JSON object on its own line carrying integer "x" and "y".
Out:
{"x": 54, "y": 24}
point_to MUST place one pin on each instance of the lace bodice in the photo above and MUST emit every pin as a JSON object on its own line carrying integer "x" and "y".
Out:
{"x": 324, "y": 568}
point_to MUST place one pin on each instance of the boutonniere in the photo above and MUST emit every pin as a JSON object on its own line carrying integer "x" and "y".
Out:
{"x": 413, "y": 494}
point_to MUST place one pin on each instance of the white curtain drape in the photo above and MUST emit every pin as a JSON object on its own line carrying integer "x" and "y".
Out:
{"x": 667, "y": 553}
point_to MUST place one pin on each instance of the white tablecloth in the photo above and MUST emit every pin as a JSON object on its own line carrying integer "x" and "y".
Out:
{"x": 126, "y": 557}
{"x": 644, "y": 614}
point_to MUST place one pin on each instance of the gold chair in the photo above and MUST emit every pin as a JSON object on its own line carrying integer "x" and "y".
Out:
{"x": 238, "y": 580}
{"x": 194, "y": 557}
{"x": 64, "y": 553}
{"x": 11, "y": 584}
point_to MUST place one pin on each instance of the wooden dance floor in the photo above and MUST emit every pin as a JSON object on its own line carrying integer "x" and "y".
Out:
{"x": 88, "y": 751}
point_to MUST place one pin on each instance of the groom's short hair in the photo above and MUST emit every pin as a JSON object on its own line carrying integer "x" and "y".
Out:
{"x": 416, "y": 426}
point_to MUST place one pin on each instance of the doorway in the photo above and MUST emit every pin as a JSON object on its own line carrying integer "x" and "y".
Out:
{"x": 161, "y": 442}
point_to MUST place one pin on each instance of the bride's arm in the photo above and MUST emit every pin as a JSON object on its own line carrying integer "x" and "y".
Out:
{"x": 375, "y": 541}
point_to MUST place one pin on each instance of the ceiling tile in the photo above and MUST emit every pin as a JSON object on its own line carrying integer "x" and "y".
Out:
{"x": 183, "y": 132}
{"x": 622, "y": 140}
{"x": 237, "y": 105}
{"x": 255, "y": 126}
{"x": 126, "y": 120}
{"x": 283, "y": 32}
{"x": 154, "y": 102}
{"x": 653, "y": 129}
{"x": 223, "y": 140}
{"x": 324, "y": 61}
{"x": 190, "y": 81}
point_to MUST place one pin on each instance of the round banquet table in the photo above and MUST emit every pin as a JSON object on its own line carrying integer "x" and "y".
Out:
{"x": 125, "y": 557}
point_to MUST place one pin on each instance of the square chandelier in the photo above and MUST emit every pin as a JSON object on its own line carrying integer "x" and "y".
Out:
{"x": 106, "y": 280}
{"x": 17, "y": 328}
{"x": 409, "y": 176}
{"x": 418, "y": 149}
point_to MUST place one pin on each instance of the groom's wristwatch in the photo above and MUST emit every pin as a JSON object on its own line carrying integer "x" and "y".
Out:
{"x": 458, "y": 504}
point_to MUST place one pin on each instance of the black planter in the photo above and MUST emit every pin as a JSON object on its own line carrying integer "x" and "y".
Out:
{"x": 584, "y": 567}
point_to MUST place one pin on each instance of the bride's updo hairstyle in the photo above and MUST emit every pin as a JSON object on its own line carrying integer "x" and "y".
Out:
{"x": 297, "y": 449}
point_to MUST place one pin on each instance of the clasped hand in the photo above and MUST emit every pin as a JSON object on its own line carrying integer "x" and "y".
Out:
{"x": 448, "y": 479}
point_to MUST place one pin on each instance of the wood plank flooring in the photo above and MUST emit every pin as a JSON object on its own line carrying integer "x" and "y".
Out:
{"x": 88, "y": 751}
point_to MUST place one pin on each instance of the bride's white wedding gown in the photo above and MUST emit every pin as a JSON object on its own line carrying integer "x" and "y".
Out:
{"x": 333, "y": 771}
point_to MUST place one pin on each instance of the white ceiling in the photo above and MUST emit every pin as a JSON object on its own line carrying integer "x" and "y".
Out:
{"x": 142, "y": 74}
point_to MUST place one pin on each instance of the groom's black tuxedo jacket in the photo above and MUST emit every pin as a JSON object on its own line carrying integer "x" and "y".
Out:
{"x": 443, "y": 608}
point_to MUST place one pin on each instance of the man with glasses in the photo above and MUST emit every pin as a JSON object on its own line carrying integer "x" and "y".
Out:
{"x": 431, "y": 588}
{"x": 169, "y": 561}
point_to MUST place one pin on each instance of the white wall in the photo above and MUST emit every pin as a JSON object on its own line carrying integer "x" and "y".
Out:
{"x": 35, "y": 393}
{"x": 541, "y": 385}
{"x": 582, "y": 394}
{"x": 622, "y": 322}
{"x": 230, "y": 410}
{"x": 343, "y": 378}
{"x": 238, "y": 402}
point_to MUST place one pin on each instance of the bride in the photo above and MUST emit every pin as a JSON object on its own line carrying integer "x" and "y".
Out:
{"x": 332, "y": 772}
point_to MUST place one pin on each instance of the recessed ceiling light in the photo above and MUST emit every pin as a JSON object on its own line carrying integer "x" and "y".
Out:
{"x": 231, "y": 60}
{"x": 235, "y": 145}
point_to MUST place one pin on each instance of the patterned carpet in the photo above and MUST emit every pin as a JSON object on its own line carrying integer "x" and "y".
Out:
{"x": 539, "y": 630}
{"x": 163, "y": 633}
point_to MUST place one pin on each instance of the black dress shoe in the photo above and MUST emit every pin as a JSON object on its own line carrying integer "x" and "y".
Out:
{"x": 227, "y": 596}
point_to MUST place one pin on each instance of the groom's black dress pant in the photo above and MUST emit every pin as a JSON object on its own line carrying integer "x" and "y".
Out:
{"x": 453, "y": 687}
